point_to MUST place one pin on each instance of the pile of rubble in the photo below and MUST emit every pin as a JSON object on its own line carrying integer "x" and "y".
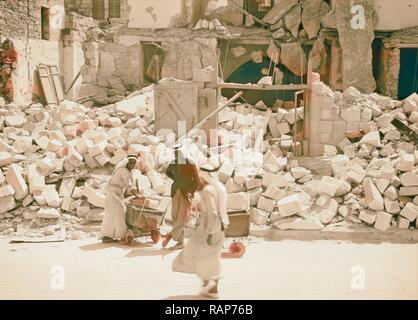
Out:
{"x": 372, "y": 181}
{"x": 55, "y": 163}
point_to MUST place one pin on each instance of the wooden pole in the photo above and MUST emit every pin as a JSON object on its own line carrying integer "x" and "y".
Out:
{"x": 201, "y": 123}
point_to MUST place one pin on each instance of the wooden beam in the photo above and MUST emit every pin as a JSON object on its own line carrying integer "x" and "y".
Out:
{"x": 401, "y": 45}
{"x": 277, "y": 87}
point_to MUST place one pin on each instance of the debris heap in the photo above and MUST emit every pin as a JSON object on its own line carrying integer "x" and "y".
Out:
{"x": 55, "y": 163}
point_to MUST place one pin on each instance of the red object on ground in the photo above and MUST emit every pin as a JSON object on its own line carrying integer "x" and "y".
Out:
{"x": 236, "y": 250}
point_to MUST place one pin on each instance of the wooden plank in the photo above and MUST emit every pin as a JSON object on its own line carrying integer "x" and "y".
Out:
{"x": 405, "y": 130}
{"x": 47, "y": 84}
{"x": 57, "y": 82}
{"x": 175, "y": 102}
{"x": 278, "y": 87}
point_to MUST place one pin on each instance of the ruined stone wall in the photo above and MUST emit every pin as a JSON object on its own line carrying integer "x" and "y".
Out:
{"x": 332, "y": 114}
{"x": 83, "y": 7}
{"x": 113, "y": 67}
{"x": 356, "y": 44}
{"x": 20, "y": 21}
{"x": 158, "y": 13}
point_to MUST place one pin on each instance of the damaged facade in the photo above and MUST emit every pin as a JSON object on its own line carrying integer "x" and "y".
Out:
{"x": 56, "y": 159}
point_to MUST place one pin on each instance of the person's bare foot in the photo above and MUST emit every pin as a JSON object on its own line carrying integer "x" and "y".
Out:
{"x": 129, "y": 238}
{"x": 166, "y": 240}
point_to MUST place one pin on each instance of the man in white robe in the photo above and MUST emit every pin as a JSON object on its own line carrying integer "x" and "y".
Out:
{"x": 114, "y": 221}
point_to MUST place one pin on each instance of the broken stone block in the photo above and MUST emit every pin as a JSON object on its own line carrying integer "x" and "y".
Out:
{"x": 54, "y": 145}
{"x": 403, "y": 223}
{"x": 344, "y": 211}
{"x": 391, "y": 193}
{"x": 5, "y": 158}
{"x": 14, "y": 120}
{"x": 239, "y": 178}
{"x": 382, "y": 184}
{"x": 7, "y": 203}
{"x": 255, "y": 195}
{"x": 292, "y": 54}
{"x": 383, "y": 221}
{"x": 410, "y": 211}
{"x": 273, "y": 127}
{"x": 352, "y": 114}
{"x": 408, "y": 191}
{"x": 373, "y": 197}
{"x": 313, "y": 11}
{"x": 392, "y": 206}
{"x": 225, "y": 171}
{"x": 274, "y": 193}
{"x": 232, "y": 187}
{"x": 94, "y": 197}
{"x": 36, "y": 180}
{"x": 74, "y": 157}
{"x": 406, "y": 162}
{"x": 367, "y": 217}
{"x": 118, "y": 156}
{"x": 371, "y": 138}
{"x": 293, "y": 19}
{"x": 266, "y": 204}
{"x": 48, "y": 213}
{"x": 83, "y": 211}
{"x": 289, "y": 205}
{"x": 15, "y": 179}
{"x": 410, "y": 104}
{"x": 238, "y": 201}
{"x": 51, "y": 197}
{"x": 6, "y": 191}
{"x": 156, "y": 181}
{"x": 102, "y": 158}
{"x": 328, "y": 212}
{"x": 67, "y": 187}
{"x": 98, "y": 148}
{"x": 325, "y": 186}
{"x": 84, "y": 145}
{"x": 257, "y": 56}
{"x": 259, "y": 217}
{"x": 66, "y": 204}
{"x": 253, "y": 183}
{"x": 46, "y": 166}
{"x": 238, "y": 51}
{"x": 95, "y": 215}
{"x": 356, "y": 174}
{"x": 27, "y": 200}
{"x": 278, "y": 11}
{"x": 409, "y": 179}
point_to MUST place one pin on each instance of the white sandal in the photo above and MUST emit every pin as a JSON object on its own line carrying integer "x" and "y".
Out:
{"x": 209, "y": 286}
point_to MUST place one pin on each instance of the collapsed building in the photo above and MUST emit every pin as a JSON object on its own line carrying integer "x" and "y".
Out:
{"x": 321, "y": 78}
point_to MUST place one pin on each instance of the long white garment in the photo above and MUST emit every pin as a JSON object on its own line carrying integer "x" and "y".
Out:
{"x": 114, "y": 219}
{"x": 198, "y": 257}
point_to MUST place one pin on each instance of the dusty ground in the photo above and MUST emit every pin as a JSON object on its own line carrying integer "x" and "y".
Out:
{"x": 269, "y": 270}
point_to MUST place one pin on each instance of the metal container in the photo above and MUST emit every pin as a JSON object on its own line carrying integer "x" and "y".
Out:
{"x": 239, "y": 224}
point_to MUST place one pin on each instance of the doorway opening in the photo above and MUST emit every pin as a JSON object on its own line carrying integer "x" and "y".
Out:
{"x": 45, "y": 23}
{"x": 153, "y": 57}
{"x": 408, "y": 75}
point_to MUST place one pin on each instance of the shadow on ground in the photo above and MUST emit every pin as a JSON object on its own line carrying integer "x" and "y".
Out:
{"x": 101, "y": 246}
{"x": 188, "y": 297}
